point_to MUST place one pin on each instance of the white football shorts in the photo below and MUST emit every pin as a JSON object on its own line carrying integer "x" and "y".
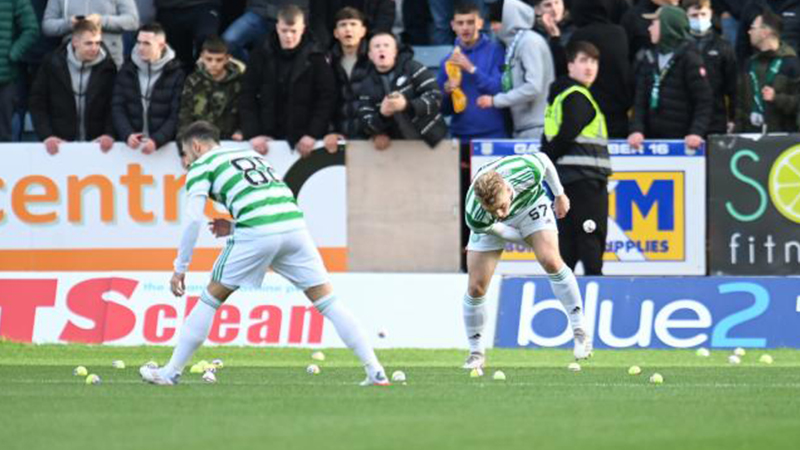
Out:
{"x": 246, "y": 258}
{"x": 537, "y": 217}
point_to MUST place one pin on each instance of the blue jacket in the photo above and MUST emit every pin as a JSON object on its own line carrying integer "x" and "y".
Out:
{"x": 488, "y": 57}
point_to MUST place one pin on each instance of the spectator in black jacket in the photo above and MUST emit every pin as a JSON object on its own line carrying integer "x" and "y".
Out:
{"x": 289, "y": 92}
{"x": 147, "y": 93}
{"x": 719, "y": 61}
{"x": 350, "y": 63}
{"x": 613, "y": 88}
{"x": 71, "y": 97}
{"x": 673, "y": 97}
{"x": 400, "y": 98}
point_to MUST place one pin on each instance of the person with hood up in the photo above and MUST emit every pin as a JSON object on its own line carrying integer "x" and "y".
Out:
{"x": 211, "y": 92}
{"x": 673, "y": 97}
{"x": 71, "y": 96}
{"x": 553, "y": 22}
{"x": 528, "y": 72}
{"x": 147, "y": 93}
{"x": 637, "y": 26}
{"x": 576, "y": 140}
{"x": 767, "y": 97}
{"x": 114, "y": 16}
{"x": 719, "y": 60}
{"x": 399, "y": 99}
{"x": 613, "y": 88}
{"x": 289, "y": 89}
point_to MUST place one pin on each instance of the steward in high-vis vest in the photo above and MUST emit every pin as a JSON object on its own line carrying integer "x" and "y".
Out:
{"x": 576, "y": 139}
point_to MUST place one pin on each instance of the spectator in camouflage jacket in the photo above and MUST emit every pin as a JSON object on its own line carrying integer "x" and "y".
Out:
{"x": 212, "y": 91}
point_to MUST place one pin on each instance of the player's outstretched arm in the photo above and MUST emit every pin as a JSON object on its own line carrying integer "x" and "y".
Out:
{"x": 507, "y": 233}
{"x": 193, "y": 221}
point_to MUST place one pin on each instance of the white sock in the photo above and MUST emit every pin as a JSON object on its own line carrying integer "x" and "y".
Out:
{"x": 565, "y": 287}
{"x": 350, "y": 331}
{"x": 474, "y": 320}
{"x": 193, "y": 333}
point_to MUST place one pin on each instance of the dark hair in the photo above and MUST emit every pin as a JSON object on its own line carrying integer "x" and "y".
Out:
{"x": 772, "y": 21}
{"x": 574, "y": 48}
{"x": 200, "y": 130}
{"x": 152, "y": 27}
{"x": 288, "y": 14}
{"x": 85, "y": 26}
{"x": 467, "y": 7}
{"x": 350, "y": 13}
{"x": 385, "y": 33}
{"x": 215, "y": 44}
{"x": 686, "y": 4}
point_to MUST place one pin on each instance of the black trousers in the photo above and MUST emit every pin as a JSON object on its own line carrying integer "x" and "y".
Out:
{"x": 589, "y": 201}
{"x": 187, "y": 29}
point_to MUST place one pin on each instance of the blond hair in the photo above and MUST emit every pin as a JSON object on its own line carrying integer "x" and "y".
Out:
{"x": 487, "y": 186}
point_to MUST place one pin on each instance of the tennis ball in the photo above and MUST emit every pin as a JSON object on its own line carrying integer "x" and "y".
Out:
{"x": 209, "y": 377}
{"x": 398, "y": 376}
{"x": 80, "y": 371}
{"x": 312, "y": 369}
{"x": 92, "y": 379}
{"x": 318, "y": 356}
{"x": 499, "y": 375}
{"x": 218, "y": 363}
{"x": 656, "y": 378}
{"x": 589, "y": 226}
{"x": 634, "y": 370}
{"x": 118, "y": 364}
{"x": 476, "y": 372}
{"x": 739, "y": 351}
{"x": 703, "y": 352}
{"x": 733, "y": 359}
{"x": 196, "y": 368}
{"x": 575, "y": 367}
{"x": 766, "y": 359}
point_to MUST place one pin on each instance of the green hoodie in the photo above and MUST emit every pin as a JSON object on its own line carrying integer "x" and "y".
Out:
{"x": 674, "y": 28}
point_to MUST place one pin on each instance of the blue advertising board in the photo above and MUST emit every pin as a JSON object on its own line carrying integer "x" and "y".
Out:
{"x": 715, "y": 312}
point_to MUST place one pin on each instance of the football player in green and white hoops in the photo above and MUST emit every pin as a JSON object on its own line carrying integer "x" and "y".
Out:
{"x": 507, "y": 202}
{"x": 269, "y": 231}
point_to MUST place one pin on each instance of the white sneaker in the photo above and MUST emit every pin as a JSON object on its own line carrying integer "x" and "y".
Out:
{"x": 153, "y": 376}
{"x": 376, "y": 379}
{"x": 583, "y": 344}
{"x": 475, "y": 360}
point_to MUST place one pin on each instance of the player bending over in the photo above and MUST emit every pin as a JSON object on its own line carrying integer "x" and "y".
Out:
{"x": 507, "y": 203}
{"x": 269, "y": 231}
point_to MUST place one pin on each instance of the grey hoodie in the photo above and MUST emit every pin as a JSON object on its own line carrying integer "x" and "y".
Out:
{"x": 149, "y": 73}
{"x": 79, "y": 73}
{"x": 118, "y": 16}
{"x": 532, "y": 70}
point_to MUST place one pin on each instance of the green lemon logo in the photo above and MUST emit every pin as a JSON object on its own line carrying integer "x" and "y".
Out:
{"x": 784, "y": 184}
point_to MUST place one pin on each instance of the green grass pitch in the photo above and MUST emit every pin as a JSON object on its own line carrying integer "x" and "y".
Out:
{"x": 264, "y": 399}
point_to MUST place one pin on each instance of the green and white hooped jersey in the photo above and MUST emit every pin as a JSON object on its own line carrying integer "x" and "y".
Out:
{"x": 246, "y": 184}
{"x": 524, "y": 173}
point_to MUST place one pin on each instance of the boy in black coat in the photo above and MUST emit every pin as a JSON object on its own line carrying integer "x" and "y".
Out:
{"x": 71, "y": 97}
{"x": 288, "y": 91}
{"x": 147, "y": 94}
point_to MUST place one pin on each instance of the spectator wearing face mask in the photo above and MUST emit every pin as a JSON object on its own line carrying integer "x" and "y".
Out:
{"x": 719, "y": 61}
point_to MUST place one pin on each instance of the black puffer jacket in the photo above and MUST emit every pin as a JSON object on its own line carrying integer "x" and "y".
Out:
{"x": 304, "y": 105}
{"x": 345, "y": 120}
{"x": 685, "y": 102}
{"x": 719, "y": 60}
{"x": 418, "y": 85}
{"x": 52, "y": 99}
{"x": 613, "y": 88}
{"x": 127, "y": 110}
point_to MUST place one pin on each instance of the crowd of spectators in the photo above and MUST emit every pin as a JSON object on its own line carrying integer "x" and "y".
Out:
{"x": 305, "y": 71}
